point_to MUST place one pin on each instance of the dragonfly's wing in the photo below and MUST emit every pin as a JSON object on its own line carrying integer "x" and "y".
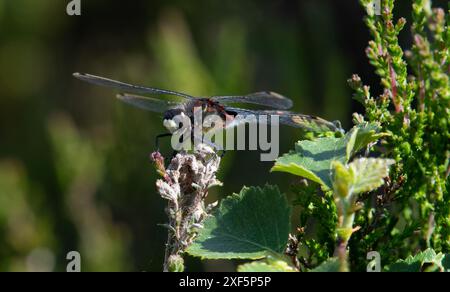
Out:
{"x": 102, "y": 81}
{"x": 264, "y": 98}
{"x": 148, "y": 103}
{"x": 307, "y": 122}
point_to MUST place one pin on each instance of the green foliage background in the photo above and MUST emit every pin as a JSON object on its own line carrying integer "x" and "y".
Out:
{"x": 74, "y": 169}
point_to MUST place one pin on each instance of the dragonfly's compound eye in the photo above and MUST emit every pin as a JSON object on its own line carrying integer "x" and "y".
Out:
{"x": 170, "y": 114}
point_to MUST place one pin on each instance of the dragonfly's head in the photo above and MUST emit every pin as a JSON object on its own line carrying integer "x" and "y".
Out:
{"x": 169, "y": 119}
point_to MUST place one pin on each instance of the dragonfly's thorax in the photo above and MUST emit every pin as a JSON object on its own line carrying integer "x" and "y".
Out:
{"x": 207, "y": 106}
{"x": 196, "y": 110}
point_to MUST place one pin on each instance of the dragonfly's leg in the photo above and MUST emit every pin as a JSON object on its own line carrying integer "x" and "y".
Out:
{"x": 174, "y": 153}
{"x": 223, "y": 153}
{"x": 159, "y": 137}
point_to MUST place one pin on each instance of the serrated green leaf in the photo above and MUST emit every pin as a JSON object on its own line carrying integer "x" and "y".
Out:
{"x": 368, "y": 173}
{"x": 361, "y": 175}
{"x": 266, "y": 267}
{"x": 249, "y": 225}
{"x": 312, "y": 159}
{"x": 367, "y": 133}
{"x": 330, "y": 265}
{"x": 426, "y": 261}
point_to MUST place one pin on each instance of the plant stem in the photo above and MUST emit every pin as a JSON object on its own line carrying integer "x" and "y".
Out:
{"x": 173, "y": 261}
{"x": 346, "y": 207}
{"x": 185, "y": 185}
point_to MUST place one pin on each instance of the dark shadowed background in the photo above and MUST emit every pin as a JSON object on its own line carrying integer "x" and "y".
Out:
{"x": 74, "y": 166}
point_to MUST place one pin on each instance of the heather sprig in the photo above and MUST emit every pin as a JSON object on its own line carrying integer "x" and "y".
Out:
{"x": 414, "y": 109}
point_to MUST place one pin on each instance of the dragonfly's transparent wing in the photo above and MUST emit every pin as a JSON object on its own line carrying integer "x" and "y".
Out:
{"x": 307, "y": 122}
{"x": 148, "y": 103}
{"x": 264, "y": 98}
{"x": 102, "y": 81}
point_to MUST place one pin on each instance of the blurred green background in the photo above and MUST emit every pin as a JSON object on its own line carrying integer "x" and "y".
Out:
{"x": 74, "y": 166}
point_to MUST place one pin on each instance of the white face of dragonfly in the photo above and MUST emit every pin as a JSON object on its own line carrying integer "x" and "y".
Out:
{"x": 172, "y": 122}
{"x": 170, "y": 125}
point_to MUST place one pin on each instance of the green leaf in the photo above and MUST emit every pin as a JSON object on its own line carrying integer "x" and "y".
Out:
{"x": 330, "y": 265}
{"x": 426, "y": 261}
{"x": 368, "y": 173}
{"x": 250, "y": 225}
{"x": 312, "y": 159}
{"x": 367, "y": 133}
{"x": 343, "y": 179}
{"x": 266, "y": 266}
{"x": 361, "y": 175}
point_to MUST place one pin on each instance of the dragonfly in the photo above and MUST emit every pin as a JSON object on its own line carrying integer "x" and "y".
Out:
{"x": 149, "y": 98}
